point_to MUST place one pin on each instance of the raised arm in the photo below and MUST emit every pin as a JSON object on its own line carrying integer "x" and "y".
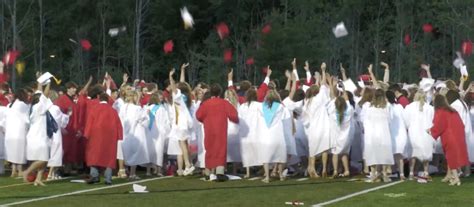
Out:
{"x": 426, "y": 67}
{"x": 323, "y": 74}
{"x": 372, "y": 76}
{"x": 124, "y": 80}
{"x": 332, "y": 87}
{"x": 386, "y": 74}
{"x": 230, "y": 77}
{"x": 293, "y": 86}
{"x": 182, "y": 77}
{"x": 295, "y": 70}
{"x": 462, "y": 81}
{"x": 308, "y": 73}
{"x": 289, "y": 76}
{"x": 86, "y": 87}
{"x": 46, "y": 89}
{"x": 343, "y": 72}
{"x": 172, "y": 83}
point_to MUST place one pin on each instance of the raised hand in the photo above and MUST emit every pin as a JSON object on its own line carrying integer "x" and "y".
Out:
{"x": 323, "y": 66}
{"x": 125, "y": 78}
{"x": 269, "y": 71}
{"x": 385, "y": 65}
{"x": 370, "y": 68}
{"x": 172, "y": 71}
{"x": 293, "y": 63}
{"x": 230, "y": 75}
{"x": 425, "y": 67}
{"x": 184, "y": 65}
{"x": 342, "y": 68}
{"x": 306, "y": 65}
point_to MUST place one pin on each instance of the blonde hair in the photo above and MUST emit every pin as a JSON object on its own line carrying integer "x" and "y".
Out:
{"x": 271, "y": 97}
{"x": 231, "y": 96}
{"x": 379, "y": 100}
{"x": 53, "y": 95}
{"x": 131, "y": 97}
{"x": 420, "y": 96}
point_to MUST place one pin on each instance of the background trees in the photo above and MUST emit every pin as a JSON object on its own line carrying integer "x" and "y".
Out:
{"x": 48, "y": 34}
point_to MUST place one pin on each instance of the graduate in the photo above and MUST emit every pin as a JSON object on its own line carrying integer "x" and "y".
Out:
{"x": 233, "y": 139}
{"x": 182, "y": 122}
{"x": 3, "y": 111}
{"x": 448, "y": 125}
{"x": 214, "y": 114}
{"x": 37, "y": 139}
{"x": 134, "y": 120}
{"x": 316, "y": 121}
{"x": 102, "y": 132}
{"x": 16, "y": 127}
{"x": 56, "y": 150}
{"x": 340, "y": 114}
{"x": 357, "y": 148}
{"x": 398, "y": 132}
{"x": 377, "y": 139}
{"x": 418, "y": 117}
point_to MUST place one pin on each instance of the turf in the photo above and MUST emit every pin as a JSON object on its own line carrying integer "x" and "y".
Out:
{"x": 190, "y": 191}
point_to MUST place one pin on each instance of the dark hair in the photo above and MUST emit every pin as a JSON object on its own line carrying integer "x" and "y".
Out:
{"x": 216, "y": 90}
{"x": 440, "y": 102}
{"x": 4, "y": 86}
{"x": 167, "y": 83}
{"x": 103, "y": 97}
{"x": 204, "y": 85}
{"x": 391, "y": 97}
{"x": 154, "y": 99}
{"x": 250, "y": 95}
{"x": 22, "y": 94}
{"x": 367, "y": 96}
{"x": 395, "y": 87}
{"x": 341, "y": 107}
{"x": 284, "y": 94}
{"x": 351, "y": 98}
{"x": 299, "y": 95}
{"x": 71, "y": 84}
{"x": 452, "y": 96}
{"x": 245, "y": 85}
{"x": 405, "y": 93}
{"x": 151, "y": 86}
{"x": 469, "y": 99}
{"x": 95, "y": 91}
{"x": 206, "y": 96}
{"x": 312, "y": 91}
{"x": 35, "y": 99}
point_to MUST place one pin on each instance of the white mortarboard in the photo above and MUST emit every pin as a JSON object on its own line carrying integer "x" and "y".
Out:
{"x": 439, "y": 84}
{"x": 340, "y": 30}
{"x": 349, "y": 85}
{"x": 426, "y": 84}
{"x": 407, "y": 86}
{"x": 45, "y": 78}
{"x": 458, "y": 61}
{"x": 464, "y": 70}
{"x": 113, "y": 32}
{"x": 139, "y": 189}
{"x": 187, "y": 18}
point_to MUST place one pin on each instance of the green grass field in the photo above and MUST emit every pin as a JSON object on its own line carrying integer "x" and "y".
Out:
{"x": 190, "y": 191}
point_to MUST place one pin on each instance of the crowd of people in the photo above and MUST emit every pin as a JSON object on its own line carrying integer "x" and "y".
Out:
{"x": 308, "y": 127}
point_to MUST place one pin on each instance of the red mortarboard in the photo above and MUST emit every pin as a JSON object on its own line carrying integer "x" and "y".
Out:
{"x": 227, "y": 55}
{"x": 222, "y": 30}
{"x": 427, "y": 28}
{"x": 142, "y": 84}
{"x": 466, "y": 48}
{"x": 264, "y": 70}
{"x": 250, "y": 61}
{"x": 266, "y": 29}
{"x": 10, "y": 57}
{"x": 86, "y": 45}
{"x": 407, "y": 39}
{"x": 364, "y": 77}
{"x": 168, "y": 46}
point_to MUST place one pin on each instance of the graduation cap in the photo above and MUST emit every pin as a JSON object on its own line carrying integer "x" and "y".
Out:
{"x": 187, "y": 18}
{"x": 426, "y": 84}
{"x": 45, "y": 78}
{"x": 407, "y": 39}
{"x": 250, "y": 61}
{"x": 227, "y": 55}
{"x": 115, "y": 31}
{"x": 458, "y": 61}
{"x": 266, "y": 29}
{"x": 340, "y": 30}
{"x": 168, "y": 46}
{"x": 222, "y": 30}
{"x": 86, "y": 44}
{"x": 427, "y": 28}
{"x": 466, "y": 48}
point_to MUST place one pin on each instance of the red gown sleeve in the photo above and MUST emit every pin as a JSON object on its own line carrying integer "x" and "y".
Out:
{"x": 261, "y": 92}
{"x": 119, "y": 127}
{"x": 232, "y": 113}
{"x": 200, "y": 113}
{"x": 439, "y": 124}
{"x": 88, "y": 127}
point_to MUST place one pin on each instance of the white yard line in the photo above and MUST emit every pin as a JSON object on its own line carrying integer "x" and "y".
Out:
{"x": 356, "y": 194}
{"x": 82, "y": 191}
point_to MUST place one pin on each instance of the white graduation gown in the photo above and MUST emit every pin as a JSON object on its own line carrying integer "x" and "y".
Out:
{"x": 398, "y": 130}
{"x": 463, "y": 112}
{"x": 249, "y": 115}
{"x": 420, "y": 144}
{"x": 233, "y": 142}
{"x": 16, "y": 126}
{"x": 357, "y": 145}
{"x": 377, "y": 139}
{"x": 56, "y": 143}
{"x": 340, "y": 133}
{"x": 157, "y": 132}
{"x": 272, "y": 143}
{"x": 316, "y": 122}
{"x": 3, "y": 112}
{"x": 37, "y": 140}
{"x": 134, "y": 146}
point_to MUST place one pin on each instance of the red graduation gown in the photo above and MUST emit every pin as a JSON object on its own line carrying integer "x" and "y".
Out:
{"x": 214, "y": 114}
{"x": 144, "y": 100}
{"x": 103, "y": 130}
{"x": 4, "y": 100}
{"x": 448, "y": 125}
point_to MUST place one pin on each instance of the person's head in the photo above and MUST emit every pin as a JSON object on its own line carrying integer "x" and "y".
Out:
{"x": 206, "y": 96}
{"x": 367, "y": 96}
{"x": 198, "y": 93}
{"x": 103, "y": 97}
{"x": 53, "y": 95}
{"x": 186, "y": 91}
{"x": 451, "y": 85}
{"x": 71, "y": 88}
{"x": 95, "y": 91}
{"x": 245, "y": 85}
{"x": 151, "y": 87}
{"x": 440, "y": 102}
{"x": 391, "y": 96}
{"x": 411, "y": 93}
{"x": 132, "y": 97}
{"x": 272, "y": 97}
{"x": 204, "y": 87}
{"x": 312, "y": 91}
{"x": 379, "y": 100}
{"x": 452, "y": 96}
{"x": 284, "y": 94}
{"x": 469, "y": 99}
{"x": 24, "y": 95}
{"x": 4, "y": 88}
{"x": 231, "y": 96}
{"x": 216, "y": 90}
{"x": 155, "y": 98}
{"x": 299, "y": 95}
{"x": 396, "y": 89}
{"x": 114, "y": 94}
{"x": 420, "y": 96}
{"x": 250, "y": 95}
{"x": 35, "y": 98}
{"x": 341, "y": 107}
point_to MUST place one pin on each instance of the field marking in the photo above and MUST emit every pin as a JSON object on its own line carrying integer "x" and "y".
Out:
{"x": 82, "y": 191}
{"x": 356, "y": 194}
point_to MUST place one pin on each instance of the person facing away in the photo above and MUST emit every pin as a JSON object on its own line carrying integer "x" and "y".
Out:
{"x": 214, "y": 113}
